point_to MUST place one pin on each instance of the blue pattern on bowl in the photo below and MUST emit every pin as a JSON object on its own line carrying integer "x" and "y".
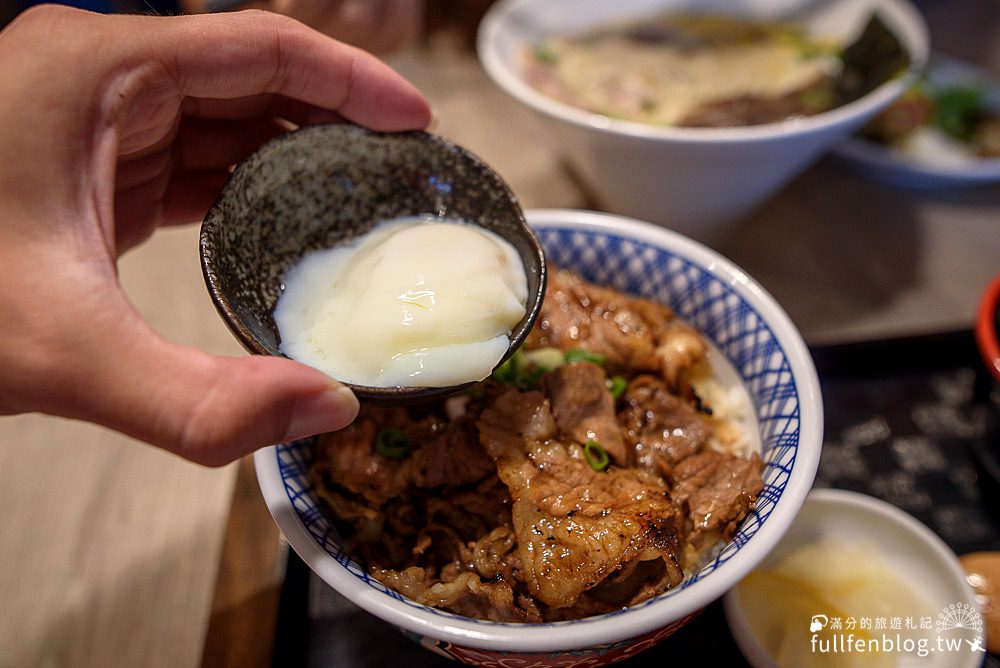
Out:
{"x": 704, "y": 300}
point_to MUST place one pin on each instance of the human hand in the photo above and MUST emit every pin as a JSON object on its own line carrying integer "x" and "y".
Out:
{"x": 380, "y": 26}
{"x": 111, "y": 126}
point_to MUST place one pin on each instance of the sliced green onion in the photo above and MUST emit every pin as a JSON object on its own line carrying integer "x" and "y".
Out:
{"x": 811, "y": 50}
{"x": 392, "y": 442}
{"x": 617, "y": 386}
{"x": 527, "y": 378}
{"x": 957, "y": 111}
{"x": 546, "y": 358}
{"x": 581, "y": 355}
{"x": 596, "y": 455}
{"x": 817, "y": 98}
{"x": 544, "y": 53}
{"x": 506, "y": 373}
{"x": 523, "y": 369}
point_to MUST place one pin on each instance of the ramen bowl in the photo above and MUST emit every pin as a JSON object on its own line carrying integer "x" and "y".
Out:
{"x": 695, "y": 180}
{"x": 743, "y": 323}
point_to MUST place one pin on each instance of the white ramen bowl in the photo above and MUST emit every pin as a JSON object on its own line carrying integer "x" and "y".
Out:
{"x": 693, "y": 180}
{"x": 745, "y": 325}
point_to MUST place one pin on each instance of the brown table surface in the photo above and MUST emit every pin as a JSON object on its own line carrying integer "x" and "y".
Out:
{"x": 113, "y": 551}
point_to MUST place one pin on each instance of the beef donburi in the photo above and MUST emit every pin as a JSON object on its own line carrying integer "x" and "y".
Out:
{"x": 592, "y": 471}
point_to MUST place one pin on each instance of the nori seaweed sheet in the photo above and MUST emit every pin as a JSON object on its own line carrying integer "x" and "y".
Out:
{"x": 871, "y": 60}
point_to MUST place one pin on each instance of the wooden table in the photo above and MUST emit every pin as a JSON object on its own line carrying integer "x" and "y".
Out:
{"x": 112, "y": 549}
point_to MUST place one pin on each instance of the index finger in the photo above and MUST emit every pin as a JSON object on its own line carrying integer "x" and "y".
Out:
{"x": 246, "y": 53}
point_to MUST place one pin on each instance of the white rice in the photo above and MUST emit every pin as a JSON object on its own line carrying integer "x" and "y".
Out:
{"x": 722, "y": 390}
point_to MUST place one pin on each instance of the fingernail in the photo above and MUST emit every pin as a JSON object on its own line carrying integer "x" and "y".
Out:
{"x": 334, "y": 409}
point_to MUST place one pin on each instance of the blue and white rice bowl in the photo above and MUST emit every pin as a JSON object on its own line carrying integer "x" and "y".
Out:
{"x": 744, "y": 324}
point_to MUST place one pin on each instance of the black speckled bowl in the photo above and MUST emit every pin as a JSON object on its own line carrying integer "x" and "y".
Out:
{"x": 324, "y": 185}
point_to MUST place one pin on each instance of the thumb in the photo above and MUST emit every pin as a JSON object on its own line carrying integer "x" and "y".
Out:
{"x": 212, "y": 410}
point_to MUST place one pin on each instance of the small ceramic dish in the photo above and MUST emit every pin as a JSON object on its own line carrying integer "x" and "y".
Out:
{"x": 986, "y": 448}
{"x": 903, "y": 168}
{"x": 988, "y": 328}
{"x": 325, "y": 185}
{"x": 918, "y": 557}
{"x": 768, "y": 356}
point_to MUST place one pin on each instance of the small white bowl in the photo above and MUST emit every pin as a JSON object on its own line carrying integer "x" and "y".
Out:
{"x": 747, "y": 327}
{"x": 693, "y": 180}
{"x": 918, "y": 556}
{"x": 901, "y": 168}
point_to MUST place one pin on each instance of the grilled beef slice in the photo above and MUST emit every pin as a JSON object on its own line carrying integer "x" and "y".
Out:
{"x": 633, "y": 334}
{"x": 716, "y": 491}
{"x": 575, "y": 526}
{"x": 583, "y": 407}
{"x": 659, "y": 426}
